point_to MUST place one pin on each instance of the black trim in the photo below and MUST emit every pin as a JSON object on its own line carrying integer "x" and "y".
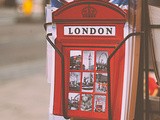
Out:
{"x": 46, "y": 24}
{"x": 64, "y": 108}
{"x": 108, "y": 70}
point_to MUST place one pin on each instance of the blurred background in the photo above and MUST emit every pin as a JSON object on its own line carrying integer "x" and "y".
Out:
{"x": 24, "y": 91}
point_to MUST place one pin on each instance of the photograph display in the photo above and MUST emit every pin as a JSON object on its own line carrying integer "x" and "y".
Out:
{"x": 99, "y": 103}
{"x": 88, "y": 80}
{"x": 73, "y": 99}
{"x": 88, "y": 60}
{"x": 74, "y": 83}
{"x": 101, "y": 82}
{"x": 75, "y": 59}
{"x": 101, "y": 60}
{"x": 86, "y": 104}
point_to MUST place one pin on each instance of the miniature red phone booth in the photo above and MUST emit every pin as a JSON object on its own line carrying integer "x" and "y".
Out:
{"x": 87, "y": 33}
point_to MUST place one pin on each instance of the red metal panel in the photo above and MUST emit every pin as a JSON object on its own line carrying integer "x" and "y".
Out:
{"x": 89, "y": 10}
{"x": 86, "y": 93}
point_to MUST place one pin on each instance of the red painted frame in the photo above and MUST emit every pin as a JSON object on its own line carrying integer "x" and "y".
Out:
{"x": 66, "y": 16}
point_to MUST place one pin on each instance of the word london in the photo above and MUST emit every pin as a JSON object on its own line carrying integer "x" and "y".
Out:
{"x": 90, "y": 30}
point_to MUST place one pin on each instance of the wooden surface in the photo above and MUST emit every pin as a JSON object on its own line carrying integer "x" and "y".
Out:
{"x": 136, "y": 55}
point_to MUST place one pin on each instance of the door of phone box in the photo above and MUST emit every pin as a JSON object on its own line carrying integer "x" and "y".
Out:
{"x": 87, "y": 33}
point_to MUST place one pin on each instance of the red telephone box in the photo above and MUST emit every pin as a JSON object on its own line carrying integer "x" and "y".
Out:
{"x": 87, "y": 33}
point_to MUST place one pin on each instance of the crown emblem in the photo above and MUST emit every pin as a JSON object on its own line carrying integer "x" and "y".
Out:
{"x": 89, "y": 12}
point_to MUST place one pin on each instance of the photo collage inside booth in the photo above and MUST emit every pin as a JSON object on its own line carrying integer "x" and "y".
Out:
{"x": 88, "y": 80}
